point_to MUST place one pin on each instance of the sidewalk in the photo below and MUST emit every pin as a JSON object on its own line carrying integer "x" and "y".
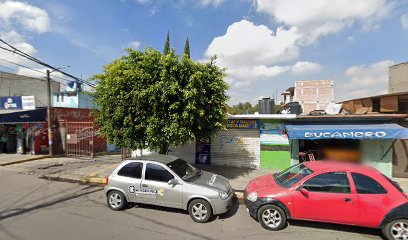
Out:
{"x": 8, "y": 159}
{"x": 70, "y": 169}
{"x": 95, "y": 171}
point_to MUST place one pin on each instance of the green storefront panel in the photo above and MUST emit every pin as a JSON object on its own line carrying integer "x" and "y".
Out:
{"x": 275, "y": 160}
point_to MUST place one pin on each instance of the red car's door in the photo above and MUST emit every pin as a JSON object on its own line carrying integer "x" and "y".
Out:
{"x": 372, "y": 199}
{"x": 326, "y": 197}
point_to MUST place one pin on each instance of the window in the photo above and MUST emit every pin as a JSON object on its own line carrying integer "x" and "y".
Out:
{"x": 156, "y": 172}
{"x": 133, "y": 170}
{"x": 367, "y": 185}
{"x": 334, "y": 182}
{"x": 292, "y": 175}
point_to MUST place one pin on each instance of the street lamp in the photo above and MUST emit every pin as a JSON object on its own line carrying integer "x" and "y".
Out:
{"x": 49, "y": 113}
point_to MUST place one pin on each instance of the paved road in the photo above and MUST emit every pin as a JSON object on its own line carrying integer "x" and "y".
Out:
{"x": 33, "y": 208}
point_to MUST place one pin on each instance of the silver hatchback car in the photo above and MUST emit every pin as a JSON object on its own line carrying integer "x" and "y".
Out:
{"x": 168, "y": 181}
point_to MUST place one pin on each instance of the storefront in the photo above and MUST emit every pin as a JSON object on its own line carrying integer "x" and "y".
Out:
{"x": 22, "y": 131}
{"x": 358, "y": 142}
{"x": 239, "y": 145}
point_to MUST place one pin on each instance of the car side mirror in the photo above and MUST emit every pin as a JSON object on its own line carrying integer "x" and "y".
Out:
{"x": 173, "y": 182}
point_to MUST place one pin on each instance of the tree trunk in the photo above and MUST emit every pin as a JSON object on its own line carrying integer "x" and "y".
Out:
{"x": 164, "y": 149}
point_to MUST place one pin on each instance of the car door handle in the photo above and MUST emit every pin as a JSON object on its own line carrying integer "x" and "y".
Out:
{"x": 145, "y": 185}
{"x": 347, "y": 199}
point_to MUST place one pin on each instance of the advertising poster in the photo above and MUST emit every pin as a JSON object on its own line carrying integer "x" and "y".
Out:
{"x": 203, "y": 152}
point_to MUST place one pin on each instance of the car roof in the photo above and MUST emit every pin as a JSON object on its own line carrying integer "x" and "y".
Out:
{"x": 330, "y": 165}
{"x": 156, "y": 158}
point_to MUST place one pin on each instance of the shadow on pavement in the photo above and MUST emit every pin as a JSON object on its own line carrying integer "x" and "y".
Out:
{"x": 335, "y": 227}
{"x": 231, "y": 212}
{"x": 24, "y": 210}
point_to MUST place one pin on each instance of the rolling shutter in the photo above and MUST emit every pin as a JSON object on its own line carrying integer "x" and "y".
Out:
{"x": 236, "y": 147}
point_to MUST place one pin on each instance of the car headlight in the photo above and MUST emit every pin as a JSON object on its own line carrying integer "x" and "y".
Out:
{"x": 252, "y": 196}
{"x": 223, "y": 195}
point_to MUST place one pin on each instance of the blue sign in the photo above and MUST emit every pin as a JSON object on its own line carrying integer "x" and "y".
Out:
{"x": 11, "y": 103}
{"x": 355, "y": 131}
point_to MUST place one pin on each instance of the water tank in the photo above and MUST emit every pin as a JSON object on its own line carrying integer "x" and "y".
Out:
{"x": 266, "y": 106}
{"x": 294, "y": 108}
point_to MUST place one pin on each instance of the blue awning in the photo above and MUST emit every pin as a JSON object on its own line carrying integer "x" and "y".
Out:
{"x": 344, "y": 131}
{"x": 30, "y": 116}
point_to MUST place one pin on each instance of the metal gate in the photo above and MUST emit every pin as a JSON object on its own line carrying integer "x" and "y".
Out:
{"x": 80, "y": 139}
{"x": 236, "y": 147}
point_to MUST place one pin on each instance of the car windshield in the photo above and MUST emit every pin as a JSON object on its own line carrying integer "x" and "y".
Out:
{"x": 292, "y": 175}
{"x": 184, "y": 170}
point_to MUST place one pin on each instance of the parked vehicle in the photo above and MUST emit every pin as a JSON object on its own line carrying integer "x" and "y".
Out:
{"x": 171, "y": 182}
{"x": 324, "y": 191}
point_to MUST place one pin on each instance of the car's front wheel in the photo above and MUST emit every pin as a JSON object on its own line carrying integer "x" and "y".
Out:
{"x": 396, "y": 230}
{"x": 116, "y": 200}
{"x": 272, "y": 217}
{"x": 200, "y": 210}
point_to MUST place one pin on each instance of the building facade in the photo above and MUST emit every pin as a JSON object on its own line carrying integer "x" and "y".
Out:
{"x": 398, "y": 78}
{"x": 314, "y": 94}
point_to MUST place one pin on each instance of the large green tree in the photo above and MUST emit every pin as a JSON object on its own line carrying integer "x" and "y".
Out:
{"x": 155, "y": 100}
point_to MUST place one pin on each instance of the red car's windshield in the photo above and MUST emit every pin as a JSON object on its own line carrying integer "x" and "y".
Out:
{"x": 292, "y": 175}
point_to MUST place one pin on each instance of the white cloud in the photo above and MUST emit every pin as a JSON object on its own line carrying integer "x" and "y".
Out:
{"x": 404, "y": 21}
{"x": 306, "y": 67}
{"x": 134, "y": 44}
{"x": 316, "y": 18}
{"x": 252, "y": 52}
{"x": 28, "y": 16}
{"x": 214, "y": 3}
{"x": 365, "y": 80}
{"x": 19, "y": 42}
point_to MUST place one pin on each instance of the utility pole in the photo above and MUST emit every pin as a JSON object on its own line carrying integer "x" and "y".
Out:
{"x": 49, "y": 116}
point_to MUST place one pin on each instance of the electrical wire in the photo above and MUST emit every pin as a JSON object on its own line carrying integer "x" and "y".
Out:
{"x": 27, "y": 56}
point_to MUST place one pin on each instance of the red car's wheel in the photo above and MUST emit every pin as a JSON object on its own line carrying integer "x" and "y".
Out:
{"x": 396, "y": 230}
{"x": 272, "y": 217}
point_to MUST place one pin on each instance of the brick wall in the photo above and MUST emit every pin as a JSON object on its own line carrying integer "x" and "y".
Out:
{"x": 314, "y": 94}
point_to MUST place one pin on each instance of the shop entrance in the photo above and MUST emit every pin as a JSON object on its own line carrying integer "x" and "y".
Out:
{"x": 16, "y": 138}
{"x": 330, "y": 149}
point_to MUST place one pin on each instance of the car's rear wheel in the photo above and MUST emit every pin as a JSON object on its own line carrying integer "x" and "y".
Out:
{"x": 116, "y": 200}
{"x": 272, "y": 217}
{"x": 200, "y": 210}
{"x": 396, "y": 230}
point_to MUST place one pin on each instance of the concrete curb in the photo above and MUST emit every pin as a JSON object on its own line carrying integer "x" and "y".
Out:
{"x": 23, "y": 161}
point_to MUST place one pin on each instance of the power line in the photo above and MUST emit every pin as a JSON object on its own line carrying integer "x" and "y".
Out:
{"x": 27, "y": 56}
{"x": 32, "y": 69}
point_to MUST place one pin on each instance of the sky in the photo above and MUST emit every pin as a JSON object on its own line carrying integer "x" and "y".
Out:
{"x": 265, "y": 45}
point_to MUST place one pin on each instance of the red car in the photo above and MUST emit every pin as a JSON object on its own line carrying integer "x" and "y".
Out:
{"x": 333, "y": 192}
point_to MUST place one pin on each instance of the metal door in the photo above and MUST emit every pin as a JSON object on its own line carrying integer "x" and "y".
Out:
{"x": 80, "y": 139}
{"x": 236, "y": 147}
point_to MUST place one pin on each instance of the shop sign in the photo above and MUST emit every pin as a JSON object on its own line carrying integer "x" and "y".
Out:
{"x": 17, "y": 103}
{"x": 243, "y": 123}
{"x": 273, "y": 134}
{"x": 346, "y": 134}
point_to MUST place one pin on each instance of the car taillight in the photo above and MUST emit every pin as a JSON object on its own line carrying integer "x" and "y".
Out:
{"x": 107, "y": 181}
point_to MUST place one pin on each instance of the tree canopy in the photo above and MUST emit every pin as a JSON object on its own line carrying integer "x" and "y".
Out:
{"x": 154, "y": 100}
